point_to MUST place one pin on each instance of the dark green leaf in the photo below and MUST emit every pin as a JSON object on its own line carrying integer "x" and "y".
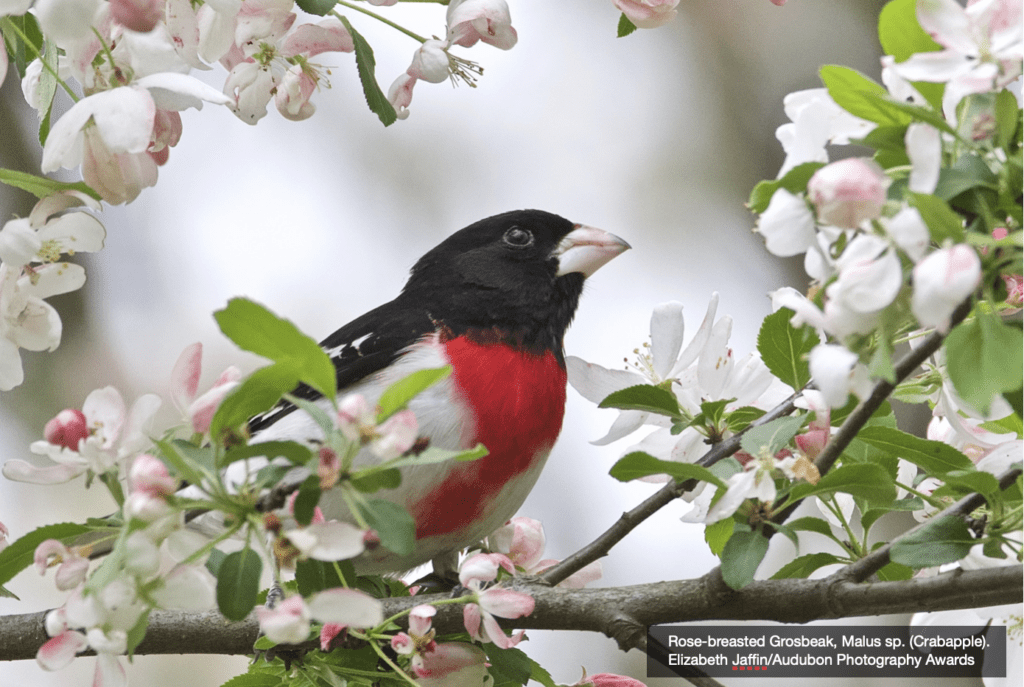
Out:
{"x": 784, "y": 348}
{"x": 20, "y": 554}
{"x": 895, "y": 572}
{"x": 41, "y": 187}
{"x": 315, "y": 576}
{"x": 803, "y": 566}
{"x": 650, "y": 399}
{"x": 254, "y": 328}
{"x": 934, "y": 457}
{"x": 294, "y": 452}
{"x": 512, "y": 663}
{"x": 307, "y": 499}
{"x": 214, "y": 561}
{"x": 939, "y": 541}
{"x": 771, "y": 437}
{"x": 639, "y": 464}
{"x": 254, "y": 680}
{"x": 742, "y": 554}
{"x": 626, "y": 27}
{"x": 366, "y": 64}
{"x": 238, "y": 583}
{"x": 317, "y": 7}
{"x": 971, "y": 481}
{"x": 393, "y": 524}
{"x": 969, "y": 171}
{"x": 794, "y": 181}
{"x": 811, "y": 524}
{"x": 863, "y": 480}
{"x": 740, "y": 419}
{"x": 1007, "y": 118}
{"x": 984, "y": 359}
{"x": 398, "y": 395}
{"x": 539, "y": 674}
{"x": 888, "y": 138}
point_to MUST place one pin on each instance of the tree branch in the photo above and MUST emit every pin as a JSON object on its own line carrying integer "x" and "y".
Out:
{"x": 622, "y": 613}
{"x": 671, "y": 491}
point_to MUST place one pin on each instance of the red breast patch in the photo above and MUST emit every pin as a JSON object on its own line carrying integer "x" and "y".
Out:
{"x": 518, "y": 398}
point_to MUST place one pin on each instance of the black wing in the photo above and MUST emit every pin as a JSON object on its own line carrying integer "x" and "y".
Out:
{"x": 363, "y": 346}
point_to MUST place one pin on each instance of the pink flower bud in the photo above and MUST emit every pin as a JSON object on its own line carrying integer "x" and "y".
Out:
{"x": 848, "y": 192}
{"x": 648, "y": 14}
{"x": 941, "y": 282}
{"x": 67, "y": 429}
{"x": 137, "y": 15}
{"x": 608, "y": 679}
{"x": 149, "y": 474}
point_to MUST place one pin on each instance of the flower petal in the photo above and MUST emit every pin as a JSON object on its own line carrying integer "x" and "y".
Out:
{"x": 347, "y": 606}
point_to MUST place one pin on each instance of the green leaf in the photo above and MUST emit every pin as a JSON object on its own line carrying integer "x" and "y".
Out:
{"x": 639, "y": 464}
{"x": 718, "y": 534}
{"x": 254, "y": 328}
{"x": 901, "y": 112}
{"x": 393, "y": 524}
{"x": 940, "y": 540}
{"x": 973, "y": 481}
{"x": 254, "y": 680}
{"x": 900, "y": 33}
{"x": 20, "y": 554}
{"x": 512, "y": 663}
{"x": 771, "y": 437}
{"x": 888, "y": 138}
{"x": 317, "y": 7}
{"x": 794, "y": 181}
{"x": 313, "y": 576}
{"x": 969, "y": 171}
{"x": 398, "y": 395}
{"x": 366, "y": 64}
{"x": 895, "y": 572}
{"x": 863, "y": 480}
{"x": 292, "y": 451}
{"x": 984, "y": 359}
{"x": 934, "y": 457}
{"x": 539, "y": 674}
{"x": 810, "y": 524}
{"x": 742, "y": 554}
{"x": 137, "y": 633}
{"x": 1007, "y": 118}
{"x": 626, "y": 27}
{"x": 320, "y": 416}
{"x": 784, "y": 348}
{"x": 644, "y": 397}
{"x": 46, "y": 89}
{"x": 803, "y": 566}
{"x": 377, "y": 480}
{"x": 306, "y": 500}
{"x": 860, "y": 96}
{"x": 434, "y": 455}
{"x": 258, "y": 393}
{"x": 238, "y": 583}
{"x": 740, "y": 419}
{"x": 41, "y": 187}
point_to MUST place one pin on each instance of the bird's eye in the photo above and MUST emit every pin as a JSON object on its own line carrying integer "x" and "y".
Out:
{"x": 518, "y": 237}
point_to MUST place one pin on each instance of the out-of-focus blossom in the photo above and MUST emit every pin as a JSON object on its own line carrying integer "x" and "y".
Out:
{"x": 848, "y": 192}
{"x": 816, "y": 120}
{"x": 115, "y": 434}
{"x": 199, "y": 409}
{"x": 983, "y": 49}
{"x": 328, "y": 541}
{"x": 479, "y": 617}
{"x": 610, "y": 679}
{"x": 787, "y": 224}
{"x": 73, "y": 566}
{"x": 838, "y": 372}
{"x": 648, "y": 14}
{"x": 489, "y": 21}
{"x": 137, "y": 15}
{"x": 941, "y": 282}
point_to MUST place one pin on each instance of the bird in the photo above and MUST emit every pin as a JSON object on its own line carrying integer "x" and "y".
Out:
{"x": 493, "y": 301}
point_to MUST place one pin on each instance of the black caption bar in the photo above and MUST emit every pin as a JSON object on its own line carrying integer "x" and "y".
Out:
{"x": 826, "y": 651}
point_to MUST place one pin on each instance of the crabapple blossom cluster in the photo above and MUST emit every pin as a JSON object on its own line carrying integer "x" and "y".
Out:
{"x": 879, "y": 235}
{"x": 31, "y": 270}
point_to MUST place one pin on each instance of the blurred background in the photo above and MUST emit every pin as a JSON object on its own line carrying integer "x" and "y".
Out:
{"x": 657, "y": 137}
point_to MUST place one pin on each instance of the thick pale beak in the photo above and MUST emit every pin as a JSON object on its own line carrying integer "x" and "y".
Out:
{"x": 585, "y": 249}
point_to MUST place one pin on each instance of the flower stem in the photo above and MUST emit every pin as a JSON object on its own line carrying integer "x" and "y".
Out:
{"x": 379, "y": 18}
{"x": 9, "y": 25}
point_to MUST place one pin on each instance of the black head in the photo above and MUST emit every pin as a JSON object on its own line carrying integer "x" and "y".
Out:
{"x": 516, "y": 276}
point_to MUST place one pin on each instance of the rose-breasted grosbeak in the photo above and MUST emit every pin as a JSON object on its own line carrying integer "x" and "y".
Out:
{"x": 493, "y": 301}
